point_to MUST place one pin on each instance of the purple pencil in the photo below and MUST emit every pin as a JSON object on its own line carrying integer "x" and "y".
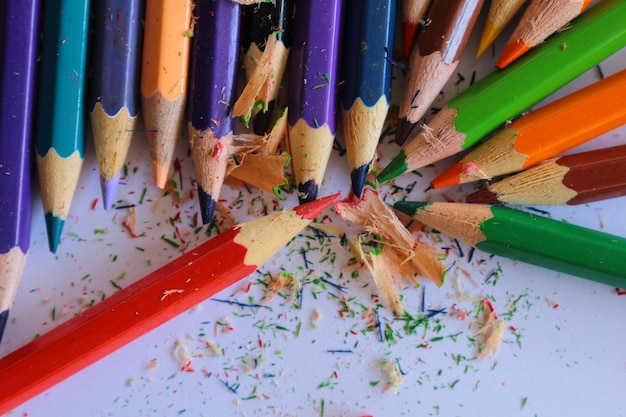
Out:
{"x": 312, "y": 91}
{"x": 18, "y": 54}
{"x": 214, "y": 65}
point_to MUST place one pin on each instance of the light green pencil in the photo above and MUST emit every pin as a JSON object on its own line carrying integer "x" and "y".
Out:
{"x": 61, "y": 106}
{"x": 505, "y": 94}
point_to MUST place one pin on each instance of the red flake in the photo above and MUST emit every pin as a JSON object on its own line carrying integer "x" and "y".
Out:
{"x": 513, "y": 328}
{"x": 260, "y": 343}
{"x": 187, "y": 367}
{"x": 354, "y": 332}
{"x": 94, "y": 203}
{"x": 487, "y": 304}
{"x": 620, "y": 291}
{"x": 336, "y": 374}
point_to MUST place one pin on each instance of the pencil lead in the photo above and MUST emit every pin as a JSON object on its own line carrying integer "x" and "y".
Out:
{"x": 160, "y": 173}
{"x": 449, "y": 177}
{"x": 484, "y": 196}
{"x": 310, "y": 210}
{"x": 490, "y": 33}
{"x": 511, "y": 52}
{"x": 396, "y": 167}
{"x": 404, "y": 130}
{"x": 207, "y": 205}
{"x": 410, "y": 207}
{"x": 4, "y": 318}
{"x": 109, "y": 190}
{"x": 358, "y": 177}
{"x": 54, "y": 226}
{"x": 307, "y": 191}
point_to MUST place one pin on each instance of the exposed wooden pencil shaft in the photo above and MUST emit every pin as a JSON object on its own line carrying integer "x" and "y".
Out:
{"x": 210, "y": 157}
{"x": 58, "y": 178}
{"x": 112, "y": 136}
{"x": 360, "y": 122}
{"x": 11, "y": 267}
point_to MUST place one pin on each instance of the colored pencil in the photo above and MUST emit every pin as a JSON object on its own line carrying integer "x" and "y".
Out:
{"x": 213, "y": 77}
{"x": 260, "y": 21}
{"x": 529, "y": 238}
{"x": 149, "y": 302}
{"x": 18, "y": 53}
{"x": 434, "y": 58}
{"x": 413, "y": 12}
{"x": 115, "y": 81}
{"x": 313, "y": 73}
{"x": 568, "y": 180}
{"x": 500, "y": 14}
{"x": 366, "y": 82}
{"x": 541, "y": 19}
{"x": 60, "y": 120}
{"x": 544, "y": 133}
{"x": 165, "y": 62}
{"x": 503, "y": 95}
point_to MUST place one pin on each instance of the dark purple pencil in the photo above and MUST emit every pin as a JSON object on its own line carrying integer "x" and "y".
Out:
{"x": 18, "y": 54}
{"x": 312, "y": 91}
{"x": 214, "y": 65}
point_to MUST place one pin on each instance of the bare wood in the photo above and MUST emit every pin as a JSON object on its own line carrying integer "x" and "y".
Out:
{"x": 11, "y": 268}
{"x": 360, "y": 123}
{"x": 58, "y": 178}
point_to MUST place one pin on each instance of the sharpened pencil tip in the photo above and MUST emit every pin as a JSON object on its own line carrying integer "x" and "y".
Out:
{"x": 395, "y": 168}
{"x": 307, "y": 191}
{"x": 358, "y": 176}
{"x": 403, "y": 130}
{"x": 109, "y": 190}
{"x": 511, "y": 52}
{"x": 310, "y": 210}
{"x": 54, "y": 226}
{"x": 449, "y": 177}
{"x": 207, "y": 205}
{"x": 490, "y": 33}
{"x": 160, "y": 173}
{"x": 410, "y": 207}
{"x": 4, "y": 319}
{"x": 484, "y": 196}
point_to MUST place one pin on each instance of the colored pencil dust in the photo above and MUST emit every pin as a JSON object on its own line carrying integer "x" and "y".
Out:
{"x": 572, "y": 179}
{"x": 60, "y": 125}
{"x": 165, "y": 61}
{"x": 115, "y": 81}
{"x": 213, "y": 77}
{"x": 262, "y": 21}
{"x": 312, "y": 90}
{"x": 19, "y": 35}
{"x": 147, "y": 303}
{"x": 544, "y": 133}
{"x": 434, "y": 58}
{"x": 504, "y": 95}
{"x": 529, "y": 238}
{"x": 366, "y": 82}
{"x": 541, "y": 19}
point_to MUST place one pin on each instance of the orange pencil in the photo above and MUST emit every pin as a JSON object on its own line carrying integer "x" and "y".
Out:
{"x": 500, "y": 14}
{"x": 541, "y": 19}
{"x": 148, "y": 303}
{"x": 413, "y": 12}
{"x": 165, "y": 64}
{"x": 544, "y": 133}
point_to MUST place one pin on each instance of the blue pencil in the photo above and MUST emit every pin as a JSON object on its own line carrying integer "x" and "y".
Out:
{"x": 368, "y": 45}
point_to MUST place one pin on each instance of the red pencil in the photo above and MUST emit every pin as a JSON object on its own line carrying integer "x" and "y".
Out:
{"x": 148, "y": 303}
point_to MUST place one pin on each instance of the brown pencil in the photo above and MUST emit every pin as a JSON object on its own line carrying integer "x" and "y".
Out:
{"x": 435, "y": 56}
{"x": 569, "y": 180}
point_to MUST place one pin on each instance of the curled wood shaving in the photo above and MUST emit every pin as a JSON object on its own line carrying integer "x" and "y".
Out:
{"x": 491, "y": 330}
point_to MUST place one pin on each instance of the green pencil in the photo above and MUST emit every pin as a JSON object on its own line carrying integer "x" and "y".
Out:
{"x": 505, "y": 94}
{"x": 529, "y": 238}
{"x": 60, "y": 126}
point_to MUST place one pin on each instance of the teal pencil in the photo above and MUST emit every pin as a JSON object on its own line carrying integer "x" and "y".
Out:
{"x": 61, "y": 106}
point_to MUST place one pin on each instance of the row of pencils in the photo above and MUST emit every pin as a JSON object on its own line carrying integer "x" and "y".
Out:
{"x": 176, "y": 62}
